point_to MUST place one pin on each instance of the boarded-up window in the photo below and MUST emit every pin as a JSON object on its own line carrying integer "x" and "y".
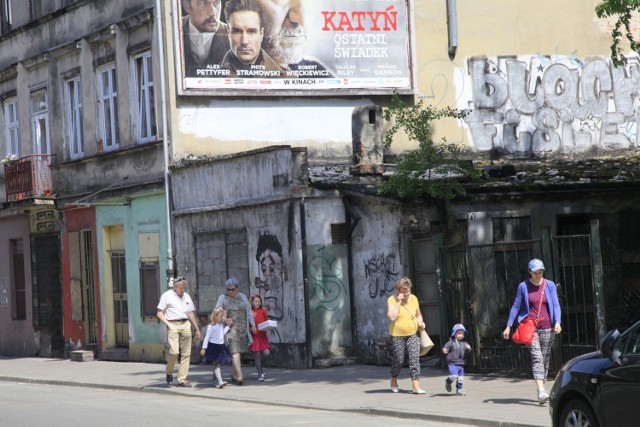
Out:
{"x": 219, "y": 256}
{"x": 149, "y": 269}
{"x": 149, "y": 279}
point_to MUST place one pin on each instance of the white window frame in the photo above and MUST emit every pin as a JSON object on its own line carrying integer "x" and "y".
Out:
{"x": 12, "y": 127}
{"x": 73, "y": 91}
{"x": 6, "y": 11}
{"x": 144, "y": 98}
{"x": 108, "y": 108}
{"x": 40, "y": 122}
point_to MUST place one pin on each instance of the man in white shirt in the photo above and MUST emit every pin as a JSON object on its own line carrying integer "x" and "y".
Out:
{"x": 205, "y": 38}
{"x": 177, "y": 312}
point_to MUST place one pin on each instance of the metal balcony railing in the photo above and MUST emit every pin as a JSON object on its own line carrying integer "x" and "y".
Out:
{"x": 28, "y": 176}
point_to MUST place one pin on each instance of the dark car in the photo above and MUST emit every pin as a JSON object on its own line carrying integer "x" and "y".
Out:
{"x": 600, "y": 389}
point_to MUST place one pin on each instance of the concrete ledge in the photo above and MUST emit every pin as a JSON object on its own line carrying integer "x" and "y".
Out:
{"x": 333, "y": 362}
{"x": 81, "y": 356}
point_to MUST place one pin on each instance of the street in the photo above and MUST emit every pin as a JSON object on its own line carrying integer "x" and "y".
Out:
{"x": 44, "y": 405}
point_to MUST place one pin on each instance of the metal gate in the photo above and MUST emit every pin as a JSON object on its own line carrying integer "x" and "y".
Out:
{"x": 88, "y": 288}
{"x": 120, "y": 298}
{"x": 479, "y": 284}
{"x": 47, "y": 291}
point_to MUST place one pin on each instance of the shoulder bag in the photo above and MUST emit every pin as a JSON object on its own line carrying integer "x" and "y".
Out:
{"x": 425, "y": 341}
{"x": 525, "y": 330}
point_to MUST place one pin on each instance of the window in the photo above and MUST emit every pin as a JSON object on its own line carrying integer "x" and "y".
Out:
{"x": 144, "y": 98}
{"x": 149, "y": 286}
{"x": 74, "y": 117}
{"x": 5, "y": 16}
{"x": 511, "y": 229}
{"x": 108, "y": 107}
{"x": 149, "y": 270}
{"x": 11, "y": 127}
{"x": 19, "y": 306}
{"x": 40, "y": 122}
{"x": 37, "y": 9}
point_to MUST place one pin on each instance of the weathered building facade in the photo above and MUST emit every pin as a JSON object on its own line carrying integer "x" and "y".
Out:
{"x": 84, "y": 223}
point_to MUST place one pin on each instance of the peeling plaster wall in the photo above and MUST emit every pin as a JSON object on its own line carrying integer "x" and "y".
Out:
{"x": 378, "y": 261}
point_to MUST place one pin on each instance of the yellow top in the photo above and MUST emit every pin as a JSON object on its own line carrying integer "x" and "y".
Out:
{"x": 405, "y": 324}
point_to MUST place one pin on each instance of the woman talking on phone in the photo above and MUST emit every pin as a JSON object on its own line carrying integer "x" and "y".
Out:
{"x": 403, "y": 311}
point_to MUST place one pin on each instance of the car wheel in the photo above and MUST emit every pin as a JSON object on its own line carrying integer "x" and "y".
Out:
{"x": 576, "y": 413}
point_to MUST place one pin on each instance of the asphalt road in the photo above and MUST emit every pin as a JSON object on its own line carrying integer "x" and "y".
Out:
{"x": 44, "y": 405}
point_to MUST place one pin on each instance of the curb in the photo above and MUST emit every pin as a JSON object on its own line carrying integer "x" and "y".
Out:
{"x": 426, "y": 416}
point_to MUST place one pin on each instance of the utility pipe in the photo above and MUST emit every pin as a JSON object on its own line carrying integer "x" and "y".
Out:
{"x": 452, "y": 27}
{"x": 165, "y": 140}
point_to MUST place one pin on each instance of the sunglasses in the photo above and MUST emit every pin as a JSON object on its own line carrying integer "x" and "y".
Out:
{"x": 232, "y": 289}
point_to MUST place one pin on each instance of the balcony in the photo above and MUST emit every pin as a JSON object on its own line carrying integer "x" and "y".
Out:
{"x": 28, "y": 177}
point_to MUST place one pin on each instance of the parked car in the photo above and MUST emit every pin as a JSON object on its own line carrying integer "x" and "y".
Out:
{"x": 600, "y": 389}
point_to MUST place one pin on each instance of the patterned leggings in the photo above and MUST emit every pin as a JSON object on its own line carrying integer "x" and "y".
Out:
{"x": 541, "y": 353}
{"x": 410, "y": 344}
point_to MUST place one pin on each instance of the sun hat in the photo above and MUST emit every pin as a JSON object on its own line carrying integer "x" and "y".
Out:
{"x": 458, "y": 327}
{"x": 536, "y": 264}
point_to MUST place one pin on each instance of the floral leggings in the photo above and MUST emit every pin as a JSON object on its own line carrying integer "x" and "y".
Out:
{"x": 411, "y": 345}
{"x": 541, "y": 353}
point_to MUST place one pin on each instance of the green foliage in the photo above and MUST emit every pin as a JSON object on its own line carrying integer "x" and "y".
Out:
{"x": 432, "y": 170}
{"x": 621, "y": 9}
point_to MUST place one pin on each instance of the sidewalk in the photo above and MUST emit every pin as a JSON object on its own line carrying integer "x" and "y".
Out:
{"x": 490, "y": 401}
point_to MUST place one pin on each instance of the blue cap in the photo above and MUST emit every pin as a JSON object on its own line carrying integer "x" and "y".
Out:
{"x": 458, "y": 327}
{"x": 536, "y": 264}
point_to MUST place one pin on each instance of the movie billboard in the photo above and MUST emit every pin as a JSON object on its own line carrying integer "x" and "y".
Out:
{"x": 296, "y": 47}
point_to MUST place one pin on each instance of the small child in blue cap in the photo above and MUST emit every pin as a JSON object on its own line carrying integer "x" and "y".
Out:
{"x": 456, "y": 349}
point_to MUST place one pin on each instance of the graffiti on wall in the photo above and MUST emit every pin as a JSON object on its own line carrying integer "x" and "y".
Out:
{"x": 382, "y": 273}
{"x": 542, "y": 104}
{"x": 271, "y": 274}
{"x": 328, "y": 291}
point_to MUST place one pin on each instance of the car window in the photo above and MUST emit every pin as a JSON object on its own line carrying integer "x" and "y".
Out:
{"x": 633, "y": 343}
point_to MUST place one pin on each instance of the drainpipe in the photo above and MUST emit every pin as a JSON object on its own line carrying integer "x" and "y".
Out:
{"x": 165, "y": 140}
{"x": 452, "y": 26}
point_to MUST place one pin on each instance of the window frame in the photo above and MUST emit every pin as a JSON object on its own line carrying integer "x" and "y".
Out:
{"x": 6, "y": 13}
{"x": 12, "y": 128}
{"x": 144, "y": 98}
{"x": 108, "y": 102}
{"x": 73, "y": 99}
{"x": 36, "y": 118}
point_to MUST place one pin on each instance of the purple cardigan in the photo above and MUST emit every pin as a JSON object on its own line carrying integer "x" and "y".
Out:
{"x": 521, "y": 304}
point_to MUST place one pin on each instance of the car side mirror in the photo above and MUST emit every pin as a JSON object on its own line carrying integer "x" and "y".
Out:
{"x": 606, "y": 346}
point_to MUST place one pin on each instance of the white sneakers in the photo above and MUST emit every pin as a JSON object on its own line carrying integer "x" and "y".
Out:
{"x": 543, "y": 397}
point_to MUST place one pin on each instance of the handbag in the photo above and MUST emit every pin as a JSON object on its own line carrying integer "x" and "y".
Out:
{"x": 525, "y": 330}
{"x": 425, "y": 341}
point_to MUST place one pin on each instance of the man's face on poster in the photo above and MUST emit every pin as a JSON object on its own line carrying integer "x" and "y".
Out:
{"x": 245, "y": 35}
{"x": 204, "y": 14}
{"x": 285, "y": 31}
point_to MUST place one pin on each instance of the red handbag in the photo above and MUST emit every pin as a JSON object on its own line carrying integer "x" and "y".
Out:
{"x": 525, "y": 330}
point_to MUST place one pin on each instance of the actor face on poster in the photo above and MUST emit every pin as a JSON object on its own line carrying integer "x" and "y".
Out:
{"x": 246, "y": 57}
{"x": 204, "y": 36}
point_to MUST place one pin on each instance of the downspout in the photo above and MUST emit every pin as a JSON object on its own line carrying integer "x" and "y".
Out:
{"x": 452, "y": 27}
{"x": 165, "y": 141}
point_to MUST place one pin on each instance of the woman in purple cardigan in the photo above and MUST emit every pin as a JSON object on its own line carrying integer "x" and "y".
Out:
{"x": 538, "y": 297}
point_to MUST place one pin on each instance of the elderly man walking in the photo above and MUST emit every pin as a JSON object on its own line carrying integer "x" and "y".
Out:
{"x": 177, "y": 312}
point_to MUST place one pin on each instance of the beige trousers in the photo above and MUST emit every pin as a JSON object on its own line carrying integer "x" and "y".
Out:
{"x": 179, "y": 337}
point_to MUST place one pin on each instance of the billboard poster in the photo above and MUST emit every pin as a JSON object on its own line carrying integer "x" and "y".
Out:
{"x": 295, "y": 47}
